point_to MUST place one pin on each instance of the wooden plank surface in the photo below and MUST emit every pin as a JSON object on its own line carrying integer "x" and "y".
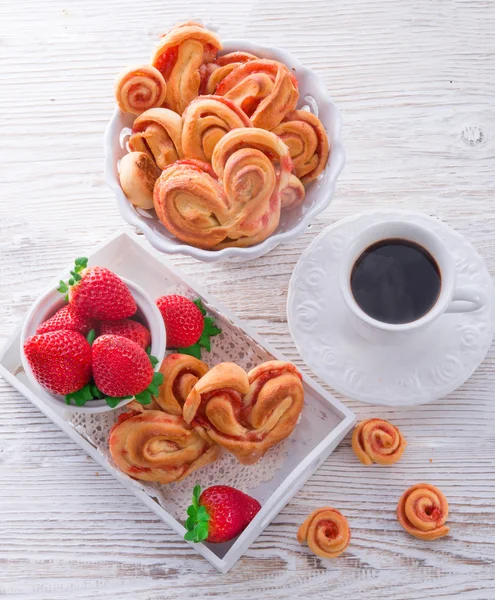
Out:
{"x": 416, "y": 85}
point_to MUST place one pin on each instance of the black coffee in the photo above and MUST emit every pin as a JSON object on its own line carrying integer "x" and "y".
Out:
{"x": 395, "y": 281}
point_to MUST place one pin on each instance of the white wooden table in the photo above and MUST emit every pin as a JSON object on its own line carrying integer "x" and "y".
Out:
{"x": 415, "y": 82}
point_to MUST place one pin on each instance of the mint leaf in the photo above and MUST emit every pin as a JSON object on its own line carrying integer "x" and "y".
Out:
{"x": 198, "y": 302}
{"x": 191, "y": 351}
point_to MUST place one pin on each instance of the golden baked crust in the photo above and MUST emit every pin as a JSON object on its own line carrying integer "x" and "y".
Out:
{"x": 326, "y": 531}
{"x": 422, "y": 511}
{"x": 155, "y": 446}
{"x": 179, "y": 57}
{"x": 158, "y": 132}
{"x": 180, "y": 372}
{"x": 293, "y": 194}
{"x": 139, "y": 88}
{"x": 266, "y": 90}
{"x": 215, "y": 72}
{"x": 246, "y": 413}
{"x": 205, "y": 121}
{"x": 307, "y": 141}
{"x": 378, "y": 441}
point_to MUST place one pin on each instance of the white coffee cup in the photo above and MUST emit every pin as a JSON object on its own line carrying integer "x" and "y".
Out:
{"x": 451, "y": 298}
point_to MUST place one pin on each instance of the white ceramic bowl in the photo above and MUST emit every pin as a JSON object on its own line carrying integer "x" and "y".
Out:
{"x": 313, "y": 95}
{"x": 51, "y": 301}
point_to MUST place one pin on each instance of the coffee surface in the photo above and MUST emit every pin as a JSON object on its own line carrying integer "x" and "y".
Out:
{"x": 395, "y": 281}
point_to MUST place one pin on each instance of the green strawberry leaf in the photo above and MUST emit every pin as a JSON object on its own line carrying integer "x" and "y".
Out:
{"x": 209, "y": 330}
{"x": 194, "y": 350}
{"x": 148, "y": 350}
{"x": 190, "y": 536}
{"x": 81, "y": 396}
{"x": 192, "y": 511}
{"x": 91, "y": 336}
{"x": 82, "y": 261}
{"x": 71, "y": 281}
{"x": 112, "y": 402}
{"x": 153, "y": 360}
{"x": 190, "y": 523}
{"x": 96, "y": 392}
{"x": 202, "y": 514}
{"x": 158, "y": 378}
{"x": 144, "y": 397}
{"x": 201, "y": 531}
{"x": 152, "y": 389}
{"x": 198, "y": 302}
{"x": 63, "y": 289}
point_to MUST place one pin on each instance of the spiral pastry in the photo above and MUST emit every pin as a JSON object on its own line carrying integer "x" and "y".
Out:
{"x": 215, "y": 72}
{"x": 254, "y": 166}
{"x": 155, "y": 446}
{"x": 191, "y": 204}
{"x": 326, "y": 531}
{"x": 292, "y": 195}
{"x": 265, "y": 90}
{"x": 157, "y": 132}
{"x": 205, "y": 121}
{"x": 181, "y": 372}
{"x": 139, "y": 89}
{"x": 179, "y": 57}
{"x": 377, "y": 441}
{"x": 422, "y": 511}
{"x": 138, "y": 174}
{"x": 246, "y": 413}
{"x": 307, "y": 141}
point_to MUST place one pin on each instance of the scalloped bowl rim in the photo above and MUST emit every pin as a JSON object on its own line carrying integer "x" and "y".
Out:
{"x": 335, "y": 165}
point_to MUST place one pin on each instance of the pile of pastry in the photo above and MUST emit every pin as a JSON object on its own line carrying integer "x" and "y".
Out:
{"x": 218, "y": 148}
{"x": 200, "y": 413}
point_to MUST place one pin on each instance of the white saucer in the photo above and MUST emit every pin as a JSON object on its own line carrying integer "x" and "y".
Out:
{"x": 433, "y": 363}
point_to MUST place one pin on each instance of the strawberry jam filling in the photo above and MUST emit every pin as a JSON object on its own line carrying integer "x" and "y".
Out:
{"x": 165, "y": 63}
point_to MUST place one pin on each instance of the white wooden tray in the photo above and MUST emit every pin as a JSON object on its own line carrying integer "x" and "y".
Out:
{"x": 324, "y": 421}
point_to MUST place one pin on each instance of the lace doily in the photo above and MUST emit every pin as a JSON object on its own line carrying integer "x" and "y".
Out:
{"x": 231, "y": 345}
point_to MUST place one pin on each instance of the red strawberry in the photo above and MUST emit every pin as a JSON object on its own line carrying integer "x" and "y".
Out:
{"x": 219, "y": 514}
{"x": 184, "y": 321}
{"x": 60, "y": 360}
{"x": 97, "y": 293}
{"x": 132, "y": 330}
{"x": 66, "y": 318}
{"x": 120, "y": 366}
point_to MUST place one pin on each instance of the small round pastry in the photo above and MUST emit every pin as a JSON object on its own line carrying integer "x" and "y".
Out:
{"x": 181, "y": 372}
{"x": 246, "y": 414}
{"x": 139, "y": 88}
{"x": 179, "y": 57}
{"x": 292, "y": 195}
{"x": 423, "y": 511}
{"x": 266, "y": 90}
{"x": 215, "y": 72}
{"x": 138, "y": 174}
{"x": 377, "y": 441}
{"x": 326, "y": 531}
{"x": 205, "y": 121}
{"x": 191, "y": 204}
{"x": 307, "y": 141}
{"x": 158, "y": 133}
{"x": 155, "y": 446}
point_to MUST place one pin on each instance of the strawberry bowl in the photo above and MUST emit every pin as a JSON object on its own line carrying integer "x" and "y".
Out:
{"x": 51, "y": 301}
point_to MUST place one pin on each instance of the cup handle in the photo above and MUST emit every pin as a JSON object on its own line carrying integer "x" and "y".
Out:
{"x": 472, "y": 298}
